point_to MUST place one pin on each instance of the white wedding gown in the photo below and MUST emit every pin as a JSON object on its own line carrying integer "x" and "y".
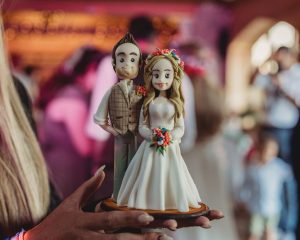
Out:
{"x": 155, "y": 181}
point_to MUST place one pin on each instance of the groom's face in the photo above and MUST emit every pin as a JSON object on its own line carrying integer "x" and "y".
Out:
{"x": 127, "y": 61}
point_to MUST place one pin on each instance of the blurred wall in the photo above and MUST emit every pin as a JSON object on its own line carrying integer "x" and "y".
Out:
{"x": 252, "y": 19}
{"x": 44, "y": 33}
{"x": 245, "y": 11}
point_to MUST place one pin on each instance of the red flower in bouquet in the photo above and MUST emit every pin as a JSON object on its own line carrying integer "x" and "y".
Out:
{"x": 167, "y": 139}
{"x": 141, "y": 91}
{"x": 161, "y": 139}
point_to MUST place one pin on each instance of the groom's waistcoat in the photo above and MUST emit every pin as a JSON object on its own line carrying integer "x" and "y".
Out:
{"x": 124, "y": 110}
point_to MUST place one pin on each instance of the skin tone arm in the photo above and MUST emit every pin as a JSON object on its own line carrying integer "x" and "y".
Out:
{"x": 101, "y": 116}
{"x": 69, "y": 221}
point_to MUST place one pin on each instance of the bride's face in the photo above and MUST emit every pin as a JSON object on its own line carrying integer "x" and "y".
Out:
{"x": 162, "y": 75}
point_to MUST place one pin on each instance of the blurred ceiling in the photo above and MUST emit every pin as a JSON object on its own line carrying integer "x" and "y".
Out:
{"x": 148, "y": 1}
{"x": 85, "y": 4}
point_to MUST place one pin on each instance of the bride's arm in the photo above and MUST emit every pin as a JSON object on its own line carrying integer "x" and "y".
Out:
{"x": 178, "y": 130}
{"x": 144, "y": 129}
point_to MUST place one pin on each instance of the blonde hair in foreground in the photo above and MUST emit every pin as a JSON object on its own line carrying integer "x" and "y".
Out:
{"x": 176, "y": 96}
{"x": 24, "y": 192}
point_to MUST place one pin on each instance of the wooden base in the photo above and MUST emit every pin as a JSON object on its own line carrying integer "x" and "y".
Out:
{"x": 110, "y": 205}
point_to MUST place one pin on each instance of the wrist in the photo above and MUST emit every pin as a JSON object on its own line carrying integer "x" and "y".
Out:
{"x": 24, "y": 236}
{"x": 35, "y": 233}
{"x": 20, "y": 236}
{"x": 32, "y": 234}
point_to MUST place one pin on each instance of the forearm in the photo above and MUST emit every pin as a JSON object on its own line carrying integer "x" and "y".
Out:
{"x": 144, "y": 128}
{"x": 286, "y": 93}
{"x": 101, "y": 117}
{"x": 178, "y": 131}
{"x": 145, "y": 132}
{"x": 289, "y": 98}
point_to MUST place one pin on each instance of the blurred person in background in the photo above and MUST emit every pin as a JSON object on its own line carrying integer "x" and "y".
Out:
{"x": 65, "y": 100}
{"x": 281, "y": 114}
{"x": 207, "y": 161}
{"x": 296, "y": 159}
{"x": 282, "y": 92}
{"x": 288, "y": 86}
{"x": 262, "y": 189}
{"x": 20, "y": 72}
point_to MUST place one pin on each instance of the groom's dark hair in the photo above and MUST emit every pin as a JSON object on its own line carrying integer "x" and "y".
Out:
{"x": 128, "y": 38}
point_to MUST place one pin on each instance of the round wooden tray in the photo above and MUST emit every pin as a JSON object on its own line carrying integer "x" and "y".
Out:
{"x": 110, "y": 205}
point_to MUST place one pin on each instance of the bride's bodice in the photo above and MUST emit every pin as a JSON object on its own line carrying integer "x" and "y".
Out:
{"x": 161, "y": 113}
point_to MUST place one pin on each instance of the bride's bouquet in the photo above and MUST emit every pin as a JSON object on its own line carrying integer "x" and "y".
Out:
{"x": 161, "y": 138}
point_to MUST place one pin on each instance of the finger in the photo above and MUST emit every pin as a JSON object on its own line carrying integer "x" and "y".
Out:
{"x": 214, "y": 214}
{"x": 115, "y": 219}
{"x": 203, "y": 222}
{"x": 91, "y": 235}
{"x": 87, "y": 189}
{"x": 171, "y": 224}
{"x": 98, "y": 207}
{"x": 129, "y": 236}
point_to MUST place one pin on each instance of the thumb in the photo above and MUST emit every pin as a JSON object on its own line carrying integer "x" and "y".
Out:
{"x": 87, "y": 189}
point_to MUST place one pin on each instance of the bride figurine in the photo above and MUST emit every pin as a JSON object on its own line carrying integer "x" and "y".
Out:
{"x": 157, "y": 177}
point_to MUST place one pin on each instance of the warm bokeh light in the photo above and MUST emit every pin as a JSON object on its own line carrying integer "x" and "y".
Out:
{"x": 249, "y": 52}
{"x": 45, "y": 38}
{"x": 281, "y": 34}
{"x": 261, "y": 51}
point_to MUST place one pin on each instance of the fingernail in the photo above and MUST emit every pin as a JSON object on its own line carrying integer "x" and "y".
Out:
{"x": 100, "y": 170}
{"x": 164, "y": 237}
{"x": 145, "y": 218}
{"x": 207, "y": 226}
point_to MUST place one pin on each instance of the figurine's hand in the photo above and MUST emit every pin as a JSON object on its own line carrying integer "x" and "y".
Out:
{"x": 115, "y": 133}
{"x": 110, "y": 129}
{"x": 69, "y": 221}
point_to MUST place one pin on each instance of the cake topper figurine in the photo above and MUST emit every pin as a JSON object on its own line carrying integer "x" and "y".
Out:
{"x": 118, "y": 112}
{"x": 157, "y": 177}
{"x": 157, "y": 180}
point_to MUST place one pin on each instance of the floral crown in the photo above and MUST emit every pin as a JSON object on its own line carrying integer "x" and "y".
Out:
{"x": 167, "y": 52}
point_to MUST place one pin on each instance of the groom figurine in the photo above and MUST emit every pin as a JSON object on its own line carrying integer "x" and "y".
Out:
{"x": 119, "y": 110}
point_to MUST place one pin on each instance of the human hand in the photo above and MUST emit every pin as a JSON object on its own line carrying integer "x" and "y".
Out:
{"x": 203, "y": 221}
{"x": 69, "y": 221}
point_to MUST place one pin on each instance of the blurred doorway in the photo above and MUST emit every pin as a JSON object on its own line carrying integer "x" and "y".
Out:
{"x": 248, "y": 52}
